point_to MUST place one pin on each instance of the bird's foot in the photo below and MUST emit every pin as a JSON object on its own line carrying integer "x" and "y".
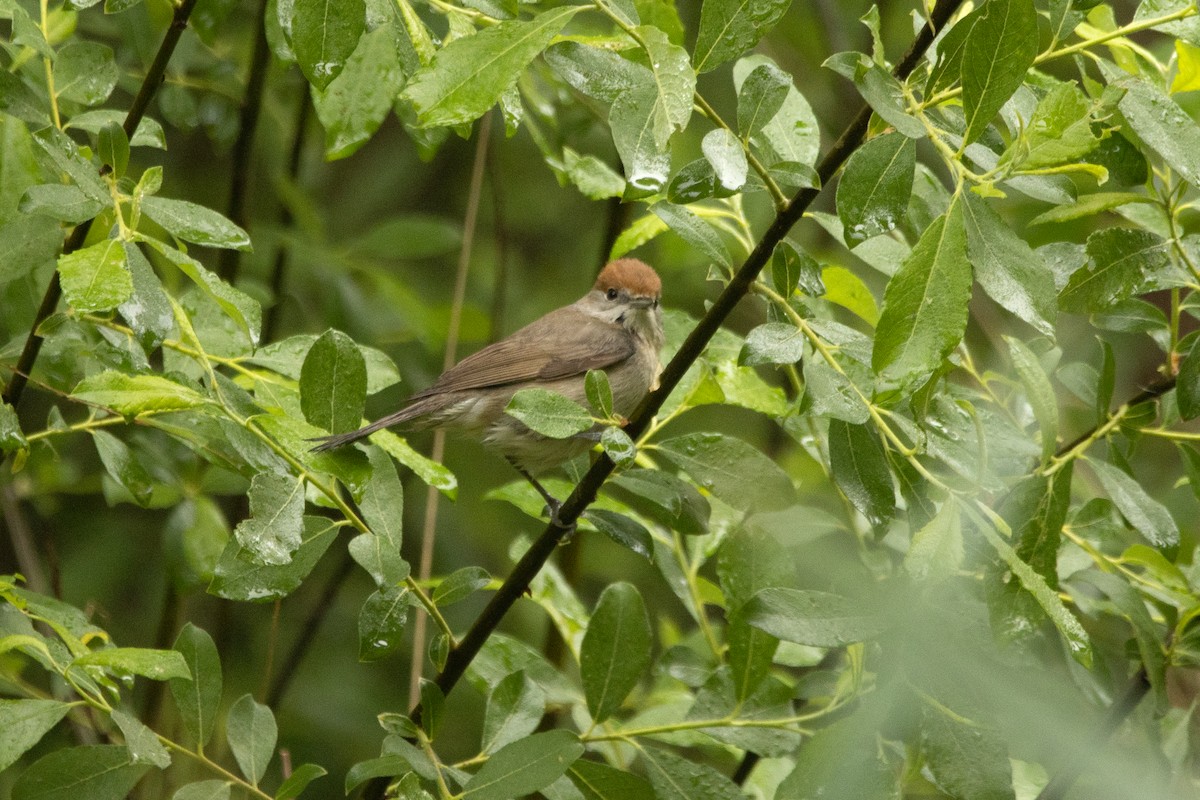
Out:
{"x": 553, "y": 509}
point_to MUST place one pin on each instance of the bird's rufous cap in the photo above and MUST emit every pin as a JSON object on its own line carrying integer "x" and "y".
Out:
{"x": 634, "y": 276}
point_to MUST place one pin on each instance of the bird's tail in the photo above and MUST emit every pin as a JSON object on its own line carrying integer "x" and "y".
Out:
{"x": 338, "y": 439}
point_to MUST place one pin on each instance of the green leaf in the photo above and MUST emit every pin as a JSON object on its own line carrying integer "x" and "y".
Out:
{"x": 144, "y": 746}
{"x": 936, "y": 551}
{"x": 524, "y": 767}
{"x": 615, "y": 650}
{"x": 113, "y": 148}
{"x": 273, "y": 531}
{"x": 23, "y": 723}
{"x": 1120, "y": 260}
{"x": 199, "y": 698}
{"x": 596, "y": 179}
{"x": 157, "y": 665}
{"x": 772, "y": 343}
{"x": 430, "y": 472}
{"x": 382, "y": 503}
{"x": 1187, "y": 382}
{"x": 108, "y": 771}
{"x": 514, "y": 709}
{"x": 599, "y": 392}
{"x": 1009, "y": 270}
{"x": 874, "y": 190}
{"x": 204, "y": 790}
{"x": 750, "y": 559}
{"x": 123, "y": 467}
{"x": 148, "y": 311}
{"x": 694, "y": 231}
{"x": 1148, "y": 516}
{"x": 833, "y": 394}
{"x": 1089, "y": 206}
{"x": 1060, "y": 131}
{"x": 1038, "y": 391}
{"x": 468, "y": 76}
{"x": 381, "y": 622}
{"x": 240, "y": 307}
{"x": 729, "y": 28}
{"x": 677, "y": 778}
{"x": 621, "y": 529}
{"x": 618, "y": 446}
{"x": 842, "y": 762}
{"x": 333, "y": 383}
{"x": 65, "y": 155}
{"x": 598, "y": 781}
{"x": 252, "y": 733}
{"x": 760, "y": 97}
{"x": 324, "y": 34}
{"x": 1149, "y": 636}
{"x": 241, "y": 575}
{"x": 925, "y": 305}
{"x": 299, "y": 780}
{"x": 132, "y": 395}
{"x": 355, "y": 103}
{"x": 379, "y": 558}
{"x": 96, "y": 278}
{"x": 664, "y": 498}
{"x": 819, "y": 619}
{"x": 459, "y": 585}
{"x": 880, "y": 89}
{"x": 287, "y": 358}
{"x": 549, "y": 413}
{"x": 997, "y": 56}
{"x": 732, "y": 470}
{"x": 12, "y": 438}
{"x": 967, "y": 760}
{"x": 793, "y": 268}
{"x": 792, "y": 135}
{"x": 149, "y": 132}
{"x": 59, "y": 201}
{"x": 1162, "y": 125}
{"x": 724, "y": 152}
{"x": 858, "y": 464}
{"x": 84, "y": 72}
{"x": 195, "y": 223}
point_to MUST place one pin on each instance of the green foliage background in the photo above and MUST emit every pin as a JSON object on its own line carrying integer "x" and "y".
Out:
{"x": 919, "y": 521}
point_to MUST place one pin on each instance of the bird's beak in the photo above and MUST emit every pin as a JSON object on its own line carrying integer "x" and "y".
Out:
{"x": 643, "y": 302}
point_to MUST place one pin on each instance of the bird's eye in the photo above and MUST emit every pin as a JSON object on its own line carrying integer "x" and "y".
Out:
{"x": 611, "y": 294}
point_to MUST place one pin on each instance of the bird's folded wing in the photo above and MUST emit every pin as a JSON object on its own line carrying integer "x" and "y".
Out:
{"x": 563, "y": 343}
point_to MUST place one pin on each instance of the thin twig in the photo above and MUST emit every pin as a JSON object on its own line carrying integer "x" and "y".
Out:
{"x": 587, "y": 489}
{"x": 154, "y": 77}
{"x": 425, "y": 566}
{"x": 243, "y": 146}
{"x": 279, "y": 269}
{"x": 28, "y": 561}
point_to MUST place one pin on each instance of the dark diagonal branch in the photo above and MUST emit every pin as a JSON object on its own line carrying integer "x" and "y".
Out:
{"x": 153, "y": 79}
{"x": 243, "y": 147}
{"x": 587, "y": 489}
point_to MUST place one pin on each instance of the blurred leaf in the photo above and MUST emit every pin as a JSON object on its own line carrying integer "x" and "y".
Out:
{"x": 1038, "y": 391}
{"x": 598, "y": 781}
{"x": 663, "y": 498}
{"x": 1120, "y": 260}
{"x": 616, "y": 649}
{"x": 967, "y": 759}
{"x": 333, "y": 383}
{"x": 760, "y": 97}
{"x": 204, "y": 790}
{"x": 592, "y": 176}
{"x": 157, "y": 665}
{"x": 199, "y": 697}
{"x": 549, "y": 413}
{"x": 771, "y": 700}
{"x": 875, "y": 187}
{"x": 23, "y": 723}
{"x": 1187, "y": 382}
{"x": 1009, "y": 270}
{"x": 751, "y": 559}
{"x": 194, "y": 223}
{"x": 842, "y": 762}
{"x": 324, "y": 34}
{"x": 732, "y": 470}
{"x": 1150, "y": 517}
{"x": 108, "y": 771}
{"x": 460, "y": 584}
{"x": 84, "y": 72}
{"x": 810, "y": 617}
{"x": 124, "y": 467}
{"x": 96, "y": 278}
{"x": 381, "y": 622}
{"x": 729, "y": 28}
{"x": 858, "y": 465}
{"x": 514, "y": 709}
{"x": 298, "y": 781}
{"x": 997, "y": 55}
{"x": 1148, "y": 635}
{"x": 936, "y": 551}
{"x": 354, "y": 104}
{"x": 925, "y": 306}
{"x": 136, "y": 394}
{"x": 252, "y": 734}
{"x": 468, "y": 76}
{"x": 524, "y": 766}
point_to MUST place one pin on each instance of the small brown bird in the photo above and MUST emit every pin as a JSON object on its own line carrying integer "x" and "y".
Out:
{"x": 616, "y": 327}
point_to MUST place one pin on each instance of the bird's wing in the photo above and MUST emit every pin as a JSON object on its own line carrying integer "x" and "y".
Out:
{"x": 563, "y": 343}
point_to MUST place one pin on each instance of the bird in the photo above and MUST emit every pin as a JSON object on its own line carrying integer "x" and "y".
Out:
{"x": 616, "y": 327}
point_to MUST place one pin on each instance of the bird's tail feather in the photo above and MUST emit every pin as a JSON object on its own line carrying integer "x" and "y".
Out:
{"x": 337, "y": 440}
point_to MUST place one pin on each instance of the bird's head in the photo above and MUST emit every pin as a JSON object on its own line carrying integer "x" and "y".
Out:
{"x": 627, "y": 292}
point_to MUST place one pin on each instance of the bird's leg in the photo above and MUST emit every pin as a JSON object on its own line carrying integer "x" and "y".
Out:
{"x": 552, "y": 503}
